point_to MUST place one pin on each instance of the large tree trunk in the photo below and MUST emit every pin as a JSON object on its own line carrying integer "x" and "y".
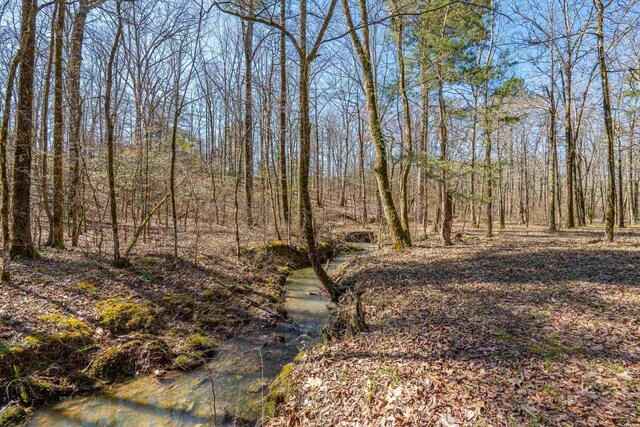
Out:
{"x": 553, "y": 160}
{"x": 553, "y": 148}
{"x": 22, "y": 244}
{"x": 57, "y": 229}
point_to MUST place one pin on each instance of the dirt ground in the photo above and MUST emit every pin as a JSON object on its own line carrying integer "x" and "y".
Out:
{"x": 525, "y": 329}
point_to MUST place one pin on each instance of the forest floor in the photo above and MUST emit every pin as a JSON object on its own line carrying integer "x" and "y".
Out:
{"x": 72, "y": 322}
{"x": 525, "y": 329}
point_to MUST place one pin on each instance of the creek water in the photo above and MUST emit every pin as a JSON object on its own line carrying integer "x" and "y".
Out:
{"x": 241, "y": 373}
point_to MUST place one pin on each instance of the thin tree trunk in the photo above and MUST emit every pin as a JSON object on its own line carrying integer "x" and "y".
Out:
{"x": 109, "y": 117}
{"x": 248, "y": 117}
{"x": 608, "y": 124}
{"x": 282, "y": 124}
{"x": 4, "y": 131}
{"x": 446, "y": 198}
{"x": 404, "y": 174}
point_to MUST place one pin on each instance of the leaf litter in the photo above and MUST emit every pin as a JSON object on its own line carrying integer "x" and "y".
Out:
{"x": 527, "y": 328}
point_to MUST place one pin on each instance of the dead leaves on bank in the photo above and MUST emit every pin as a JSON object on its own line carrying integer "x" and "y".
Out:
{"x": 532, "y": 330}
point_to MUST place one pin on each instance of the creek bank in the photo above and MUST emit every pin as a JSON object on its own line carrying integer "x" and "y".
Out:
{"x": 119, "y": 323}
{"x": 239, "y": 373}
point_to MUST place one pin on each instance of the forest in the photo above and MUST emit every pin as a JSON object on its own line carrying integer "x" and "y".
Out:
{"x": 325, "y": 213}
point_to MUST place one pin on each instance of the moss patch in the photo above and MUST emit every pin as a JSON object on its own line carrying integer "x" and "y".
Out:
{"x": 130, "y": 358}
{"x": 65, "y": 323}
{"x": 279, "y": 389}
{"x": 188, "y": 361}
{"x": 123, "y": 316}
{"x": 86, "y": 286}
{"x": 197, "y": 342}
{"x": 12, "y": 415}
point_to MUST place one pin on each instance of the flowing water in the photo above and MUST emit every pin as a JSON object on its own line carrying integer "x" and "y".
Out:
{"x": 241, "y": 372}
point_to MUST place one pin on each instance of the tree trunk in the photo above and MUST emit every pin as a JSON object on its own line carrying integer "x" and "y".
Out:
{"x": 57, "y": 229}
{"x": 571, "y": 153}
{"x": 305, "y": 152}
{"x": 44, "y": 129}
{"x": 248, "y": 117}
{"x": 282, "y": 124}
{"x": 553, "y": 149}
{"x": 608, "y": 124}
{"x": 404, "y": 174}
{"x": 4, "y": 131}
{"x": 22, "y": 243}
{"x": 109, "y": 116}
{"x": 446, "y": 198}
{"x": 401, "y": 239}
{"x": 75, "y": 115}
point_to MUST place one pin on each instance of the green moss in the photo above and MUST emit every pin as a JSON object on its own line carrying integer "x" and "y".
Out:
{"x": 86, "y": 286}
{"x": 65, "y": 323}
{"x": 284, "y": 269}
{"x": 12, "y": 415}
{"x": 197, "y": 342}
{"x": 114, "y": 362}
{"x": 10, "y": 347}
{"x": 132, "y": 357}
{"x": 279, "y": 389}
{"x": 123, "y": 316}
{"x": 188, "y": 361}
{"x": 31, "y": 341}
{"x": 550, "y": 348}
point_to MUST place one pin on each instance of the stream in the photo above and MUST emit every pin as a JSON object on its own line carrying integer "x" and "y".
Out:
{"x": 242, "y": 372}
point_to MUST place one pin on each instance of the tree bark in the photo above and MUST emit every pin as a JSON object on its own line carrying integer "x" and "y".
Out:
{"x": 57, "y": 229}
{"x": 109, "y": 117}
{"x": 248, "y": 117}
{"x": 608, "y": 124}
{"x": 4, "y": 131}
{"x": 282, "y": 124}
{"x": 22, "y": 243}
{"x": 446, "y": 198}
{"x": 75, "y": 115}
{"x": 404, "y": 174}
